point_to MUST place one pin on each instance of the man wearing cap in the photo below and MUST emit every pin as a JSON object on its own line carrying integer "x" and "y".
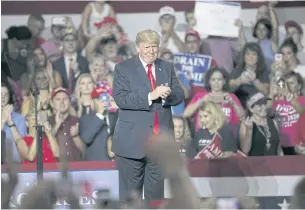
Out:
{"x": 170, "y": 38}
{"x": 144, "y": 89}
{"x": 98, "y": 125}
{"x": 295, "y": 31}
{"x": 65, "y": 127}
{"x": 71, "y": 64}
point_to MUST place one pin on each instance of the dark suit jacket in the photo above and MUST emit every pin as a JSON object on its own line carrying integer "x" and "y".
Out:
{"x": 94, "y": 132}
{"x": 130, "y": 91}
{"x": 59, "y": 66}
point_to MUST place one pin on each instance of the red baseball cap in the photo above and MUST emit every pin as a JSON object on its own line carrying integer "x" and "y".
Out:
{"x": 98, "y": 91}
{"x": 60, "y": 89}
{"x": 193, "y": 33}
{"x": 292, "y": 23}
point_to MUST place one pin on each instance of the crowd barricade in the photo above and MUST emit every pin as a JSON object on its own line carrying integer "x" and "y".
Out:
{"x": 270, "y": 179}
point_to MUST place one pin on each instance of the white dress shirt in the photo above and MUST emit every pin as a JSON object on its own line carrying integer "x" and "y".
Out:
{"x": 153, "y": 73}
{"x": 68, "y": 61}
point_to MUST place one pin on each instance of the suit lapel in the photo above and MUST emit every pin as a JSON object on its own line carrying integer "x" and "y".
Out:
{"x": 142, "y": 72}
{"x": 64, "y": 70}
{"x": 159, "y": 73}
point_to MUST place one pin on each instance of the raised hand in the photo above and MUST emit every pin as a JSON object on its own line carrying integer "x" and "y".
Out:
{"x": 47, "y": 127}
{"x": 248, "y": 123}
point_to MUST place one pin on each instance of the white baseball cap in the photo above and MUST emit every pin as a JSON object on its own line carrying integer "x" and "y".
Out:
{"x": 166, "y": 10}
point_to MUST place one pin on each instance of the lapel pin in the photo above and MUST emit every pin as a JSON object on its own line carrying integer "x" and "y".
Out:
{"x": 159, "y": 69}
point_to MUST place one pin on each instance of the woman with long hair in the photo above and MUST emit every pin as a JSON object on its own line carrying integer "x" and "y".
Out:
{"x": 182, "y": 133}
{"x": 259, "y": 133}
{"x": 289, "y": 51}
{"x": 212, "y": 123}
{"x": 217, "y": 86}
{"x": 250, "y": 75}
{"x": 12, "y": 123}
{"x": 287, "y": 104}
{"x": 83, "y": 89}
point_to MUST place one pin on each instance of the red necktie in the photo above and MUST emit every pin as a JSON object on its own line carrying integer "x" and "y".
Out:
{"x": 70, "y": 76}
{"x": 156, "y": 128}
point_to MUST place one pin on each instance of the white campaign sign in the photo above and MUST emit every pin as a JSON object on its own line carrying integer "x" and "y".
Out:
{"x": 217, "y": 18}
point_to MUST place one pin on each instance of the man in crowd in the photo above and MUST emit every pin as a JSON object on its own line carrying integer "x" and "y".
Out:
{"x": 66, "y": 127}
{"x": 71, "y": 65}
{"x": 97, "y": 126}
{"x": 144, "y": 89}
{"x": 36, "y": 24}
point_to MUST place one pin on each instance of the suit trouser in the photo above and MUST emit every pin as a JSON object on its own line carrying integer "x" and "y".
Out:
{"x": 136, "y": 173}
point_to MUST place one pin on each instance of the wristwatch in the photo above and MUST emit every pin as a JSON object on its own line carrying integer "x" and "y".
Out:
{"x": 11, "y": 124}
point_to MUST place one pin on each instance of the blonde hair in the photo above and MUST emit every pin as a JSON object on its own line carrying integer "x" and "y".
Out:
{"x": 216, "y": 112}
{"x": 149, "y": 36}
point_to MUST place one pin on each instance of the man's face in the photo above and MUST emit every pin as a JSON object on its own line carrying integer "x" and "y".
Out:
{"x": 70, "y": 43}
{"x": 36, "y": 27}
{"x": 191, "y": 19}
{"x": 109, "y": 50}
{"x": 4, "y": 96}
{"x": 167, "y": 19}
{"x": 192, "y": 44}
{"x": 41, "y": 80}
{"x": 57, "y": 31}
{"x": 61, "y": 102}
{"x": 294, "y": 34}
{"x": 148, "y": 51}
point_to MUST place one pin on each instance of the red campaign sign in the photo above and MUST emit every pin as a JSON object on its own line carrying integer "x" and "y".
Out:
{"x": 214, "y": 149}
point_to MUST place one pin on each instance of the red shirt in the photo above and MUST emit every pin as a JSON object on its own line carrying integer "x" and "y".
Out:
{"x": 300, "y": 131}
{"x": 47, "y": 153}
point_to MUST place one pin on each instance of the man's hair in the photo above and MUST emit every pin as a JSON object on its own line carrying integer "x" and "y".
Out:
{"x": 188, "y": 11}
{"x": 298, "y": 198}
{"x": 148, "y": 36}
{"x": 36, "y": 17}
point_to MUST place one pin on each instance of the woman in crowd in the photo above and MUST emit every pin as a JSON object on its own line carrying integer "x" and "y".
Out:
{"x": 212, "y": 122}
{"x": 288, "y": 103}
{"x": 300, "y": 135}
{"x": 267, "y": 34}
{"x": 217, "y": 86}
{"x": 97, "y": 68}
{"x": 289, "y": 51}
{"x": 12, "y": 123}
{"x": 83, "y": 89}
{"x": 50, "y": 146}
{"x": 182, "y": 133}
{"x": 258, "y": 133}
{"x": 93, "y": 15}
{"x": 250, "y": 74}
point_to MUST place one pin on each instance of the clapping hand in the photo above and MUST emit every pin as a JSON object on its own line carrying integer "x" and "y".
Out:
{"x": 160, "y": 92}
{"x": 74, "y": 131}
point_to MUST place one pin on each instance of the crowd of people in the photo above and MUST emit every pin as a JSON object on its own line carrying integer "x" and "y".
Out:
{"x": 253, "y": 95}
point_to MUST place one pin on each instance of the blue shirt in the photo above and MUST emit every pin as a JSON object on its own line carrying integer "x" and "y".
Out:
{"x": 19, "y": 121}
{"x": 179, "y": 109}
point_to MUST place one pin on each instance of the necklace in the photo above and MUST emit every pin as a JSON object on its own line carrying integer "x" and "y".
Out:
{"x": 266, "y": 133}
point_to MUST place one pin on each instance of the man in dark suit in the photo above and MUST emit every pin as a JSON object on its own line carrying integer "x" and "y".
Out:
{"x": 97, "y": 126}
{"x": 71, "y": 64}
{"x": 144, "y": 88}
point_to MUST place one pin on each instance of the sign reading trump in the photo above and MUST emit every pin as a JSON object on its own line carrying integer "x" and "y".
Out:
{"x": 194, "y": 65}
